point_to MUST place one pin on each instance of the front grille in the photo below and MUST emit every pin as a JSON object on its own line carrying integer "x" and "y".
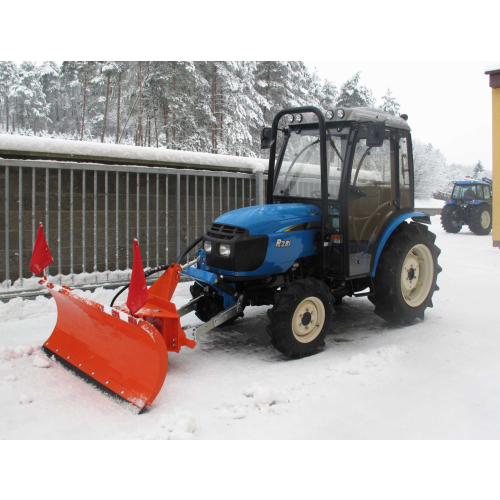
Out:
{"x": 225, "y": 232}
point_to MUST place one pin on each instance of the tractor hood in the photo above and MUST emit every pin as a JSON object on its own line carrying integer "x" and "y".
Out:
{"x": 280, "y": 214}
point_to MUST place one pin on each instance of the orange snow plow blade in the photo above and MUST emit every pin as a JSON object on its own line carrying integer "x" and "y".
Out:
{"x": 124, "y": 354}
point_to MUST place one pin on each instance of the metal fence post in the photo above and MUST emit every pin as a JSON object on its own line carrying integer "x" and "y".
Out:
{"x": 259, "y": 187}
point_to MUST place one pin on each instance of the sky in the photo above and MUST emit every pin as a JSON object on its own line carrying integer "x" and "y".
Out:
{"x": 448, "y": 103}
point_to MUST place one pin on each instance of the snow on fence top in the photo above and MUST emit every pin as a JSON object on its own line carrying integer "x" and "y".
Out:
{"x": 80, "y": 150}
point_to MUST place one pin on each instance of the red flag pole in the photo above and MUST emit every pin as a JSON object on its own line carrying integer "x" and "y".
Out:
{"x": 41, "y": 256}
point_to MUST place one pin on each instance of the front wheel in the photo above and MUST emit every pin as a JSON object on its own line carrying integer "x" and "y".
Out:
{"x": 406, "y": 275}
{"x": 480, "y": 219}
{"x": 301, "y": 318}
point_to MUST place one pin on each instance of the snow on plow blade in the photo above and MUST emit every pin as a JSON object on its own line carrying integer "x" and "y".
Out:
{"x": 122, "y": 354}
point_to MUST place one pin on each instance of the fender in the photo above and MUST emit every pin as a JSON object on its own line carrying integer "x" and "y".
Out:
{"x": 478, "y": 202}
{"x": 389, "y": 230}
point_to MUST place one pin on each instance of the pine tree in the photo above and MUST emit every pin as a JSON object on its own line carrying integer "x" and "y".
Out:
{"x": 8, "y": 80}
{"x": 354, "y": 95}
{"x": 389, "y": 103}
{"x": 330, "y": 95}
{"x": 109, "y": 69}
{"x": 33, "y": 107}
{"x": 478, "y": 169}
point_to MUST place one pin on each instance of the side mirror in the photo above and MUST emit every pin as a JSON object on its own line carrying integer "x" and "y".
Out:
{"x": 265, "y": 138}
{"x": 375, "y": 134}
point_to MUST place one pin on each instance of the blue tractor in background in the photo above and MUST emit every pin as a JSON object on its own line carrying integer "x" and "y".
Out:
{"x": 339, "y": 221}
{"x": 470, "y": 203}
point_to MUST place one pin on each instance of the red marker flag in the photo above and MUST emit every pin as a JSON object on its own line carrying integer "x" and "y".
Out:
{"x": 41, "y": 256}
{"x": 138, "y": 289}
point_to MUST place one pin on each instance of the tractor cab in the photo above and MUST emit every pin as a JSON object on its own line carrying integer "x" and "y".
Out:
{"x": 471, "y": 191}
{"x": 354, "y": 165}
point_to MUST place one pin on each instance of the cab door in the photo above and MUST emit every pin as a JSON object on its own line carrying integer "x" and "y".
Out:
{"x": 372, "y": 192}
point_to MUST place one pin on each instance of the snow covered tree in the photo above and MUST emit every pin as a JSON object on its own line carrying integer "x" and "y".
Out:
{"x": 34, "y": 109}
{"x": 8, "y": 80}
{"x": 217, "y": 106}
{"x": 389, "y": 103}
{"x": 50, "y": 79}
{"x": 430, "y": 167}
{"x": 330, "y": 95}
{"x": 478, "y": 170}
{"x": 352, "y": 94}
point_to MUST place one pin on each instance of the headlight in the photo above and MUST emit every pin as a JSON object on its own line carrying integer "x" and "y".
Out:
{"x": 329, "y": 114}
{"x": 207, "y": 246}
{"x": 340, "y": 113}
{"x": 298, "y": 118}
{"x": 289, "y": 118}
{"x": 225, "y": 250}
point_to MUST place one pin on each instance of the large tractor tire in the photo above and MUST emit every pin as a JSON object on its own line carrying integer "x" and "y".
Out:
{"x": 450, "y": 219}
{"x": 406, "y": 274}
{"x": 301, "y": 318}
{"x": 480, "y": 220}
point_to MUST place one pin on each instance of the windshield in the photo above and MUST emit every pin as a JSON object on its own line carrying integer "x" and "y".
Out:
{"x": 464, "y": 192}
{"x": 300, "y": 172}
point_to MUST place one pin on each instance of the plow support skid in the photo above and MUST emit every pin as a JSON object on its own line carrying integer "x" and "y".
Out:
{"x": 118, "y": 352}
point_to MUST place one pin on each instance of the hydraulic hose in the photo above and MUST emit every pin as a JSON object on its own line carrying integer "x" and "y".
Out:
{"x": 188, "y": 249}
{"x": 163, "y": 267}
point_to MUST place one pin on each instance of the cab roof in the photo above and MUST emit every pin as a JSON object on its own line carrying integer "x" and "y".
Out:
{"x": 371, "y": 114}
{"x": 343, "y": 114}
{"x": 472, "y": 181}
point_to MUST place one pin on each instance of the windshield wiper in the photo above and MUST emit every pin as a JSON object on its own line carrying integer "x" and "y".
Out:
{"x": 332, "y": 142}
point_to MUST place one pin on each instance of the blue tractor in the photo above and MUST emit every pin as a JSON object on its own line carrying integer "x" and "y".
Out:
{"x": 339, "y": 221}
{"x": 470, "y": 203}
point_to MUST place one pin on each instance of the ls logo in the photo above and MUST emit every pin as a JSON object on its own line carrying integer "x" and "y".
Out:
{"x": 283, "y": 243}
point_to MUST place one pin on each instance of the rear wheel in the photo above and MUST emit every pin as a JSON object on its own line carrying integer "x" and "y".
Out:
{"x": 480, "y": 219}
{"x": 301, "y": 318}
{"x": 450, "y": 219}
{"x": 406, "y": 274}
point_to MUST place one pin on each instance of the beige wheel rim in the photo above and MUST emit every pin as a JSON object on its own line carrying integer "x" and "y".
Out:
{"x": 417, "y": 275}
{"x": 485, "y": 219}
{"x": 308, "y": 320}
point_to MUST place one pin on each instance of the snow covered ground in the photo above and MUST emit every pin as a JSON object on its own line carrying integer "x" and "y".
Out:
{"x": 438, "y": 379}
{"x": 428, "y": 203}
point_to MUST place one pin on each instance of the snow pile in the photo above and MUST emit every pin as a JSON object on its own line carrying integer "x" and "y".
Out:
{"x": 68, "y": 280}
{"x": 25, "y": 399}
{"x": 41, "y": 361}
{"x": 129, "y": 153}
{"x": 255, "y": 399}
{"x": 179, "y": 425}
{"x": 378, "y": 359}
{"x": 20, "y": 308}
{"x": 20, "y": 351}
